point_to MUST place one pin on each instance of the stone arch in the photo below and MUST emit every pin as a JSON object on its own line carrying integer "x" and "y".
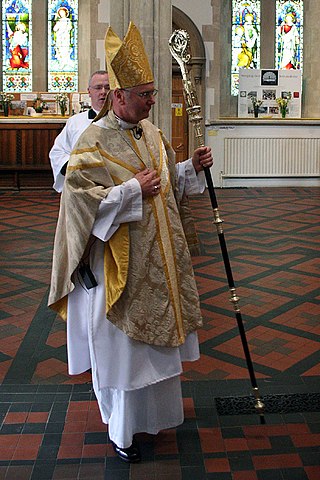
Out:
{"x": 181, "y": 21}
{"x": 197, "y": 63}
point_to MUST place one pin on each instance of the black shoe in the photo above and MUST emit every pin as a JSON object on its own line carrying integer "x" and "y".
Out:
{"x": 129, "y": 455}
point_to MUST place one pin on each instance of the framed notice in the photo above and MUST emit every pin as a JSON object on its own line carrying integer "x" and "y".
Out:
{"x": 267, "y": 86}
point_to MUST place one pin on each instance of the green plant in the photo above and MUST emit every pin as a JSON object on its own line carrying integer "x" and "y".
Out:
{"x": 39, "y": 104}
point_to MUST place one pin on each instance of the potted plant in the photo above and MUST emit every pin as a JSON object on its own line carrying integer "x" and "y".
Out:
{"x": 62, "y": 101}
{"x": 39, "y": 104}
{"x": 283, "y": 104}
{"x": 6, "y": 102}
{"x": 256, "y": 104}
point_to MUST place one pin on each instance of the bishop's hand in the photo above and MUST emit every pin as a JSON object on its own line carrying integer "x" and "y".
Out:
{"x": 149, "y": 182}
{"x": 202, "y": 158}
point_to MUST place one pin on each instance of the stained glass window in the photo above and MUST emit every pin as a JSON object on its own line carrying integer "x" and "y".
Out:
{"x": 289, "y": 34}
{"x": 16, "y": 45}
{"x": 62, "y": 45}
{"x": 245, "y": 38}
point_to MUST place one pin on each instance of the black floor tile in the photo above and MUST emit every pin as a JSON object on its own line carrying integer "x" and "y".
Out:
{"x": 291, "y": 396}
{"x": 218, "y": 476}
{"x": 310, "y": 458}
{"x": 116, "y": 475}
{"x": 20, "y": 407}
{"x": 314, "y": 427}
{"x": 43, "y": 472}
{"x": 232, "y": 432}
{"x": 33, "y": 428}
{"x": 294, "y": 474}
{"x": 11, "y": 428}
{"x": 96, "y": 438}
{"x": 40, "y": 407}
{"x": 192, "y": 473}
{"x": 240, "y": 461}
{"x": 48, "y": 452}
{"x": 57, "y": 417}
{"x": 191, "y": 459}
{"x": 269, "y": 475}
{"x": 282, "y": 444}
{"x": 188, "y": 441}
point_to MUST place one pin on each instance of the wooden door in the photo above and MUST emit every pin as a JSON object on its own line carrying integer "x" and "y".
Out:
{"x": 179, "y": 120}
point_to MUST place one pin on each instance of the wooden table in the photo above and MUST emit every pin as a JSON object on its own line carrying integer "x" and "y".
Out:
{"x": 25, "y": 143}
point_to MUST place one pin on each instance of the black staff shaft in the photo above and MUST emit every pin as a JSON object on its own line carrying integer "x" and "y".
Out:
{"x": 228, "y": 270}
{"x": 179, "y": 48}
{"x": 234, "y": 299}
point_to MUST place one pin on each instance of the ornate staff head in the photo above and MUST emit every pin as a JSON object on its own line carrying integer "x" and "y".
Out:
{"x": 179, "y": 45}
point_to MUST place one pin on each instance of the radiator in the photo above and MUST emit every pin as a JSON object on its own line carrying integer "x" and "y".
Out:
{"x": 271, "y": 157}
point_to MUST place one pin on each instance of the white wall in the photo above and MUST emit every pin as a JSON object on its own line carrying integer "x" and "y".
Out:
{"x": 199, "y": 11}
{"x": 103, "y": 17}
{"x": 279, "y": 153}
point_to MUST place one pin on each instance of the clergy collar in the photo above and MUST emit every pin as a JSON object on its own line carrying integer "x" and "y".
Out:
{"x": 134, "y": 127}
{"x": 123, "y": 124}
{"x": 91, "y": 114}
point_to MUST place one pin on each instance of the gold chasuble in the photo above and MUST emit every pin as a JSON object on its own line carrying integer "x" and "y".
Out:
{"x": 151, "y": 294}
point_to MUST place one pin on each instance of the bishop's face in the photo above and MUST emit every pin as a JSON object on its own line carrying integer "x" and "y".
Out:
{"x": 138, "y": 102}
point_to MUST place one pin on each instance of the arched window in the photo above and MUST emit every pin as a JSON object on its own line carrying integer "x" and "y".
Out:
{"x": 17, "y": 45}
{"x": 62, "y": 45}
{"x": 289, "y": 34}
{"x": 245, "y": 38}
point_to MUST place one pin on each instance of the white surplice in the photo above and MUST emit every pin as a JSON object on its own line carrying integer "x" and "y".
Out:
{"x": 64, "y": 144}
{"x": 137, "y": 385}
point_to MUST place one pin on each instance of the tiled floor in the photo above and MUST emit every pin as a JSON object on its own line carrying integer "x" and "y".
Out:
{"x": 50, "y": 424}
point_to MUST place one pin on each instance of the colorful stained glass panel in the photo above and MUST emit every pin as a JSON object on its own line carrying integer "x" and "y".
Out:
{"x": 62, "y": 45}
{"x": 289, "y": 34}
{"x": 245, "y": 38}
{"x": 17, "y": 45}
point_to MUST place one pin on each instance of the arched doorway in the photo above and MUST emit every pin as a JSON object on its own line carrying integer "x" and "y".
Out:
{"x": 183, "y": 140}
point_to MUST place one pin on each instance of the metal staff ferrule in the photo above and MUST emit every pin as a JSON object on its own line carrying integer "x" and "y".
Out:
{"x": 234, "y": 300}
{"x": 259, "y": 406}
{"x": 218, "y": 221}
{"x": 179, "y": 44}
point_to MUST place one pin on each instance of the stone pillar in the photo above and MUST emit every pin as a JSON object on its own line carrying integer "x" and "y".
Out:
{"x": 39, "y": 46}
{"x": 219, "y": 64}
{"x": 154, "y": 20}
{"x": 267, "y": 29}
{"x": 311, "y": 66}
{"x": 86, "y": 51}
{"x": 225, "y": 104}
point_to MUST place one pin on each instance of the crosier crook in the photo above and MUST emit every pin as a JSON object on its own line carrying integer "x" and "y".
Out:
{"x": 179, "y": 44}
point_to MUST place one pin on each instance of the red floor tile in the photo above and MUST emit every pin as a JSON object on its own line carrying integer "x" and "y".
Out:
{"x": 285, "y": 460}
{"x": 276, "y": 266}
{"x": 217, "y": 465}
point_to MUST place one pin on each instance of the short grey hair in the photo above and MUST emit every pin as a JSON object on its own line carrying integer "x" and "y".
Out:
{"x": 97, "y": 72}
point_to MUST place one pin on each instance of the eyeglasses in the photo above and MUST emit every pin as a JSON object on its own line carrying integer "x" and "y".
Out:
{"x": 145, "y": 95}
{"x": 100, "y": 87}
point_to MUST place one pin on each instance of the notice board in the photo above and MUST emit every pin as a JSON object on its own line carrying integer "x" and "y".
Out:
{"x": 267, "y": 85}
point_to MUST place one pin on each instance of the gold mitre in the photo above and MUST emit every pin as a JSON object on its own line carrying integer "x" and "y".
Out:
{"x": 127, "y": 61}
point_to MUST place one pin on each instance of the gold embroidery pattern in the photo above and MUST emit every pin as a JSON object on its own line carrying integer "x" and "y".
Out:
{"x": 157, "y": 244}
{"x": 166, "y": 246}
{"x": 127, "y": 61}
{"x": 164, "y": 235}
